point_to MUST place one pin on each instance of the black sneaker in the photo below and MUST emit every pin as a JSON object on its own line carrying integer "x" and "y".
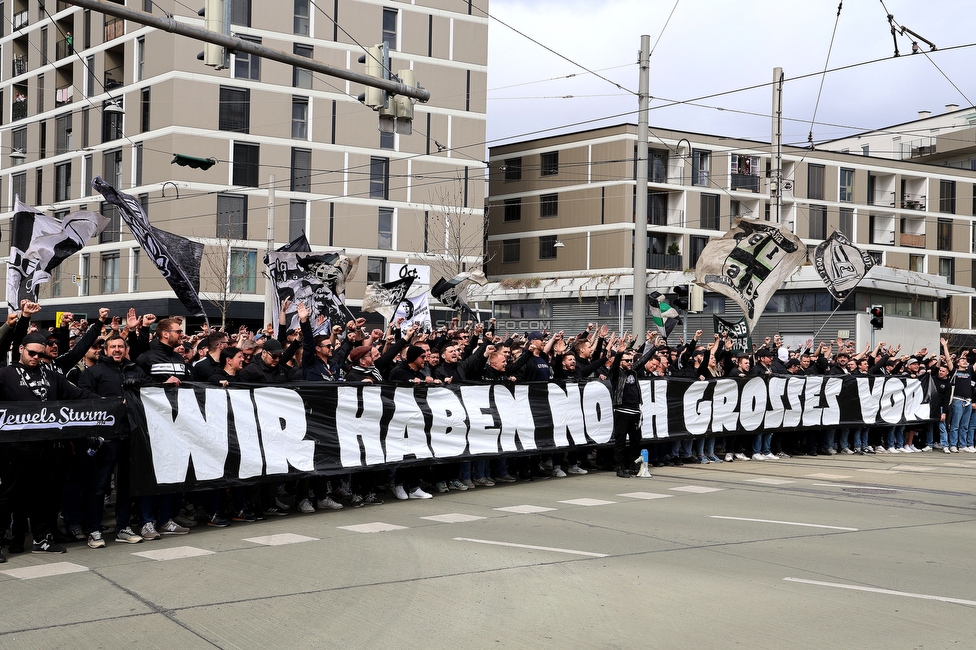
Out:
{"x": 356, "y": 501}
{"x": 47, "y": 545}
{"x": 16, "y": 546}
{"x": 274, "y": 511}
{"x": 217, "y": 521}
{"x": 244, "y": 515}
{"x": 2, "y": 558}
{"x": 372, "y": 500}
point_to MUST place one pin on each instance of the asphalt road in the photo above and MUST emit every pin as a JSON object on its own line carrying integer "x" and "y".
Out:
{"x": 826, "y": 552}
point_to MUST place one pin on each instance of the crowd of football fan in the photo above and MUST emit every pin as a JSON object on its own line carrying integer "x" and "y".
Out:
{"x": 76, "y": 360}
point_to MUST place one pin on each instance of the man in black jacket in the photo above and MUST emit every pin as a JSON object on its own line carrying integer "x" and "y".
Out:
{"x": 626, "y": 410}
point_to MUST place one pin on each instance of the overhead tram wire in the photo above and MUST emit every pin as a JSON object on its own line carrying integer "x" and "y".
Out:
{"x": 823, "y": 75}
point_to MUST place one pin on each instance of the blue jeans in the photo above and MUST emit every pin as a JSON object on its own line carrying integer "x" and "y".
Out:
{"x": 762, "y": 443}
{"x": 860, "y": 437}
{"x": 845, "y": 439}
{"x": 961, "y": 412}
{"x": 943, "y": 435}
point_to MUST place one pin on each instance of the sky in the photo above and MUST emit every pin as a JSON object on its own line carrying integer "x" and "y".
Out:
{"x": 716, "y": 46}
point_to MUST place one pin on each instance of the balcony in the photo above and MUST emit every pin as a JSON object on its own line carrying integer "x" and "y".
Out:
{"x": 881, "y": 198}
{"x": 662, "y": 262}
{"x": 63, "y": 95}
{"x": 21, "y": 19}
{"x": 658, "y": 217}
{"x": 63, "y": 48}
{"x": 913, "y": 202}
{"x": 912, "y": 241}
{"x": 746, "y": 182}
{"x": 114, "y": 27}
{"x": 19, "y": 109}
{"x": 19, "y": 66}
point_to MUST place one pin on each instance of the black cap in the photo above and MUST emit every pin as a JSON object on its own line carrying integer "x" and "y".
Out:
{"x": 273, "y": 346}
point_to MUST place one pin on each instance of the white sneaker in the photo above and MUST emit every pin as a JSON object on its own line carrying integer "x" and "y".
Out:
{"x": 758, "y": 457}
{"x": 892, "y": 450}
{"x": 400, "y": 493}
{"x": 306, "y": 507}
{"x": 970, "y": 449}
{"x": 558, "y": 472}
{"x": 926, "y": 448}
{"x": 953, "y": 450}
{"x": 328, "y": 503}
{"x": 946, "y": 450}
{"x": 728, "y": 458}
{"x": 831, "y": 451}
{"x": 741, "y": 456}
{"x": 880, "y": 450}
{"x": 95, "y": 539}
{"x": 847, "y": 450}
{"x": 772, "y": 457}
{"x": 869, "y": 449}
{"x": 418, "y": 493}
{"x": 908, "y": 450}
{"x": 576, "y": 469}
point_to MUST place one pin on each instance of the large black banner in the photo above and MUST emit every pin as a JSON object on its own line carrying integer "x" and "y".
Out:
{"x": 27, "y": 421}
{"x": 200, "y": 436}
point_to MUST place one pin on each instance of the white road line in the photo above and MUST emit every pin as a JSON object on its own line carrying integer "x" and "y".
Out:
{"x": 889, "y": 592}
{"x": 528, "y": 546}
{"x": 785, "y": 523}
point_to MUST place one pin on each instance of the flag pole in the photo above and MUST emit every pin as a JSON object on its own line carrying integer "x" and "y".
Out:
{"x": 839, "y": 305}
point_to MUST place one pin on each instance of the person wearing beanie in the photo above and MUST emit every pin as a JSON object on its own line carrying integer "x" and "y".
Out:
{"x": 413, "y": 370}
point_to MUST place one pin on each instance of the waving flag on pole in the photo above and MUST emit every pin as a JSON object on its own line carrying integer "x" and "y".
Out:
{"x": 841, "y": 265}
{"x": 39, "y": 243}
{"x": 749, "y": 263}
{"x": 451, "y": 293}
{"x": 177, "y": 258}
{"x": 664, "y": 315}
{"x": 385, "y": 297}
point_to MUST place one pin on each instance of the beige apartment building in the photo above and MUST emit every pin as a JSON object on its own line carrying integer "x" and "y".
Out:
{"x": 563, "y": 207}
{"x": 85, "y": 94}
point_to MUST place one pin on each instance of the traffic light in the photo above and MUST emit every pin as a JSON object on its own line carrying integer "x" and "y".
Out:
{"x": 877, "y": 317}
{"x": 681, "y": 301}
{"x": 217, "y": 15}
{"x": 377, "y": 60}
{"x": 403, "y": 106}
{"x": 193, "y": 162}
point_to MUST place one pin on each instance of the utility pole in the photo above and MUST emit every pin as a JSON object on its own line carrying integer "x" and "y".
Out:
{"x": 269, "y": 296}
{"x": 640, "y": 218}
{"x": 777, "y": 141}
{"x": 235, "y": 44}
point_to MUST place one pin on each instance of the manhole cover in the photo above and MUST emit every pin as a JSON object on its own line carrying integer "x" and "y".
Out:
{"x": 869, "y": 490}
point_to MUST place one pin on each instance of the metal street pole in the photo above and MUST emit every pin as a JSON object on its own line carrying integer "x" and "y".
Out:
{"x": 269, "y": 296}
{"x": 235, "y": 44}
{"x": 777, "y": 140}
{"x": 640, "y": 218}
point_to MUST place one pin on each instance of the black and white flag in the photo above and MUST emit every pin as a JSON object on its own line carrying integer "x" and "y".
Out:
{"x": 177, "y": 258}
{"x": 317, "y": 280}
{"x": 39, "y": 243}
{"x": 749, "y": 264}
{"x": 451, "y": 293}
{"x": 385, "y": 297}
{"x": 298, "y": 245}
{"x": 841, "y": 265}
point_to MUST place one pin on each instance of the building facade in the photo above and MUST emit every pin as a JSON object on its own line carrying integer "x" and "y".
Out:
{"x": 84, "y": 94}
{"x": 563, "y": 207}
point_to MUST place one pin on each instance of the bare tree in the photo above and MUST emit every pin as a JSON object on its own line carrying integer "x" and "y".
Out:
{"x": 230, "y": 272}
{"x": 454, "y": 234}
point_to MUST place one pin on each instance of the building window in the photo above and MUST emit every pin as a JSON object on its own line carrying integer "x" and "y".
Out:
{"x": 379, "y": 178}
{"x": 846, "y": 225}
{"x": 846, "y": 185}
{"x": 112, "y": 169}
{"x": 18, "y": 188}
{"x": 39, "y": 186}
{"x": 85, "y": 272}
{"x": 947, "y": 197}
{"x": 137, "y": 153}
{"x": 815, "y": 182}
{"x": 246, "y": 164}
{"x": 945, "y": 234}
{"x": 513, "y": 209}
{"x": 89, "y": 175}
{"x": 916, "y": 263}
{"x": 40, "y": 93}
{"x": 513, "y": 169}
{"x": 19, "y": 137}
{"x": 144, "y": 114}
{"x": 701, "y": 164}
{"x": 302, "y": 77}
{"x": 299, "y": 118}
{"x": 511, "y": 250}
{"x": 947, "y": 269}
{"x": 710, "y": 211}
{"x": 547, "y": 247}
{"x": 301, "y": 170}
{"x": 234, "y": 113}
{"x": 231, "y": 216}
{"x": 113, "y": 231}
{"x": 375, "y": 269}
{"x": 90, "y": 76}
{"x": 56, "y": 276}
{"x": 658, "y": 172}
{"x": 818, "y": 221}
{"x": 85, "y": 128}
{"x": 301, "y": 18}
{"x": 111, "y": 121}
{"x": 387, "y": 140}
{"x": 140, "y": 58}
{"x": 62, "y": 182}
{"x": 135, "y": 260}
{"x": 390, "y": 28}
{"x": 695, "y": 247}
{"x": 549, "y": 165}
{"x": 745, "y": 172}
{"x": 548, "y": 205}
{"x": 245, "y": 65}
{"x": 243, "y": 271}
{"x": 63, "y": 127}
{"x": 42, "y": 140}
{"x": 384, "y": 229}
{"x": 240, "y": 12}
{"x": 110, "y": 273}
{"x": 296, "y": 219}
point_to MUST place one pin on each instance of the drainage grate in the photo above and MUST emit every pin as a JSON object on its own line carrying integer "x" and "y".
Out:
{"x": 856, "y": 490}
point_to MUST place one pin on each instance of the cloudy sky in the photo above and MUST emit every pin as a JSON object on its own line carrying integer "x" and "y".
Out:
{"x": 717, "y": 46}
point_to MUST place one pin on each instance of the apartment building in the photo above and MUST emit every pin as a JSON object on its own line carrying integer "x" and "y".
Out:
{"x": 85, "y": 94}
{"x": 562, "y": 211}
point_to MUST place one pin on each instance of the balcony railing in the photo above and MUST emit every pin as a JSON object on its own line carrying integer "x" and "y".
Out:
{"x": 913, "y": 241}
{"x": 674, "y": 218}
{"x": 114, "y": 27}
{"x": 19, "y": 65}
{"x": 664, "y": 262}
{"x": 63, "y": 48}
{"x": 21, "y": 19}
{"x": 881, "y": 198}
{"x": 63, "y": 95}
{"x": 19, "y": 110}
{"x": 913, "y": 202}
{"x": 747, "y": 182}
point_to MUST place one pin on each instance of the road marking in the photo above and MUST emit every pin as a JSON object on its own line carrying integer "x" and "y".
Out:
{"x": 530, "y": 547}
{"x": 175, "y": 553}
{"x": 914, "y": 468}
{"x": 44, "y": 570}
{"x": 280, "y": 539}
{"x": 453, "y": 518}
{"x": 877, "y": 471}
{"x": 524, "y": 510}
{"x": 375, "y": 527}
{"x": 829, "y": 477}
{"x": 588, "y": 502}
{"x": 645, "y": 495}
{"x": 696, "y": 489}
{"x": 769, "y": 481}
{"x": 889, "y": 592}
{"x": 785, "y": 523}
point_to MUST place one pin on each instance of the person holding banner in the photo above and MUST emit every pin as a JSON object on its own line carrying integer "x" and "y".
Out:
{"x": 626, "y": 410}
